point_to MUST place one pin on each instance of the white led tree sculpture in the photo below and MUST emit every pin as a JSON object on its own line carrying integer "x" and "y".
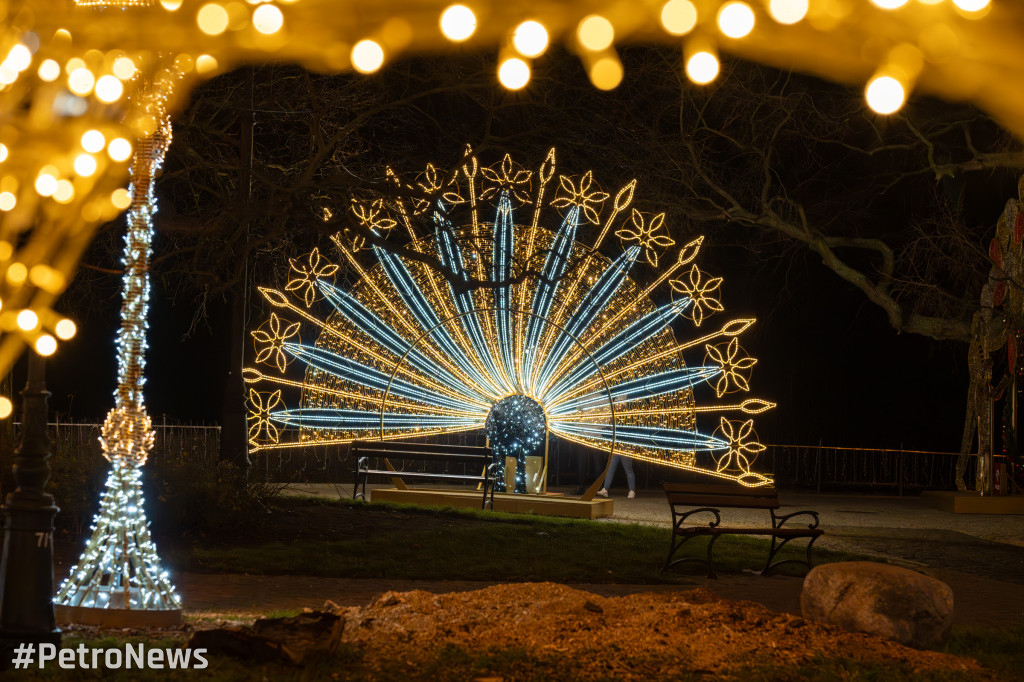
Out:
{"x": 120, "y": 569}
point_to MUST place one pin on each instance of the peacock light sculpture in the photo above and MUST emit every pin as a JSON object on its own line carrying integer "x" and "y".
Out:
{"x": 527, "y": 329}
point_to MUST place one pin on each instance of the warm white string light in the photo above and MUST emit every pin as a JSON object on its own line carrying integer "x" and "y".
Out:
{"x": 577, "y": 350}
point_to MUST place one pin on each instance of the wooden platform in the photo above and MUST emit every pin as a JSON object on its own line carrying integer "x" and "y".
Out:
{"x": 118, "y": 618}
{"x": 546, "y": 505}
{"x": 974, "y": 503}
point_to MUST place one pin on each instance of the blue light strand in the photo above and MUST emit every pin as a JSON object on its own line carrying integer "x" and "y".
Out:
{"x": 638, "y": 389}
{"x": 501, "y": 271}
{"x": 606, "y": 286}
{"x": 620, "y": 344}
{"x": 348, "y": 369}
{"x": 343, "y": 419}
{"x": 450, "y": 254}
{"x": 643, "y": 436}
{"x": 554, "y": 268}
{"x": 370, "y": 324}
{"x": 427, "y": 318}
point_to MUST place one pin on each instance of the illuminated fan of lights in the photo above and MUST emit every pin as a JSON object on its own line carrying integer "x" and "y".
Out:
{"x": 406, "y": 353}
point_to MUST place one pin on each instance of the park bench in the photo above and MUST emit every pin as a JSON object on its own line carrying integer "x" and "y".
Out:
{"x": 689, "y": 499}
{"x": 474, "y": 458}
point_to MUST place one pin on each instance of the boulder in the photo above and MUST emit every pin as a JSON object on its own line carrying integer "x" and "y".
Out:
{"x": 889, "y": 601}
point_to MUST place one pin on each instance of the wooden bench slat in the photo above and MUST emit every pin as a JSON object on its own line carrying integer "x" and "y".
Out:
{"x": 702, "y": 500}
{"x": 431, "y": 456}
{"x": 795, "y": 532}
{"x": 422, "y": 474}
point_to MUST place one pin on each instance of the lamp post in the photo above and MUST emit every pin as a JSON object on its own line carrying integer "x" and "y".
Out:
{"x": 26, "y": 570}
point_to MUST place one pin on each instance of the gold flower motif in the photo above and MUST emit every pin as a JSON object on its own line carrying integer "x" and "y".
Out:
{"x": 510, "y": 176}
{"x": 315, "y": 267}
{"x": 743, "y": 446}
{"x": 646, "y": 234}
{"x": 259, "y": 415}
{"x": 701, "y": 291}
{"x": 374, "y": 218}
{"x": 433, "y": 183}
{"x": 270, "y": 336}
{"x": 735, "y": 368}
{"x": 589, "y": 202}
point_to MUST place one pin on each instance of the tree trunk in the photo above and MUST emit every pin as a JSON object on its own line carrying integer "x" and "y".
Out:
{"x": 233, "y": 445}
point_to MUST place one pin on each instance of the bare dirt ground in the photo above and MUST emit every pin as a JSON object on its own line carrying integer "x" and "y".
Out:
{"x": 572, "y": 634}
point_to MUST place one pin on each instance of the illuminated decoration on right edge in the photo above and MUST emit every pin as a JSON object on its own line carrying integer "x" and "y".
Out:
{"x": 561, "y": 334}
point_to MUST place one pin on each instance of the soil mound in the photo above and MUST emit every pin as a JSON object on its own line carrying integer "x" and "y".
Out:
{"x": 551, "y": 631}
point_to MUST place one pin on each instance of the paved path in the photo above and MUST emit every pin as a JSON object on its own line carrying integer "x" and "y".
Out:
{"x": 980, "y": 556}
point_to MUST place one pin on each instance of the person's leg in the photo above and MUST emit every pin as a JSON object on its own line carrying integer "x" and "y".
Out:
{"x": 627, "y": 464}
{"x": 611, "y": 472}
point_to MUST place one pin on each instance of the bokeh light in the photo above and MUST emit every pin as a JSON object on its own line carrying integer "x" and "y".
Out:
{"x": 267, "y": 19}
{"x": 46, "y": 345}
{"x": 458, "y": 23}
{"x": 736, "y": 19}
{"x": 367, "y": 56}
{"x": 678, "y": 17}
{"x": 530, "y": 38}
{"x": 885, "y": 95}
{"x": 595, "y": 33}
{"x": 514, "y": 73}
{"x": 66, "y": 329}
{"x": 702, "y": 67}
{"x": 788, "y": 11}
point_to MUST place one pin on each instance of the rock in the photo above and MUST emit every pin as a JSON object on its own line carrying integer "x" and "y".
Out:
{"x": 863, "y": 596}
{"x": 286, "y": 640}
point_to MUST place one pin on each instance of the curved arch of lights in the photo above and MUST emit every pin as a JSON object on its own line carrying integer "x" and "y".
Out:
{"x": 403, "y": 353}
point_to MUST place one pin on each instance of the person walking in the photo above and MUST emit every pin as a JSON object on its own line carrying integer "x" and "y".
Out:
{"x": 627, "y": 464}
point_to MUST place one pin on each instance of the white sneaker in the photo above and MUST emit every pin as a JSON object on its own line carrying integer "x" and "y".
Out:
{"x": 603, "y": 492}
{"x": 632, "y": 494}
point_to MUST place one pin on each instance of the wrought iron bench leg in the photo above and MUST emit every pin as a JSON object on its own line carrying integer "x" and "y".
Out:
{"x": 709, "y": 561}
{"x": 777, "y": 547}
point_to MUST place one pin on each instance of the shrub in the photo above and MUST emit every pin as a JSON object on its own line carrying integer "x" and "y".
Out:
{"x": 189, "y": 499}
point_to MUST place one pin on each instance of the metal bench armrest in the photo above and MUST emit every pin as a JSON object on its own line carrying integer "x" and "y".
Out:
{"x": 678, "y": 519}
{"x": 779, "y": 519}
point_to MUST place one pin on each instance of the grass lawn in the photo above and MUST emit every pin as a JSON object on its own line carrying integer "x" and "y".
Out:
{"x": 316, "y": 537}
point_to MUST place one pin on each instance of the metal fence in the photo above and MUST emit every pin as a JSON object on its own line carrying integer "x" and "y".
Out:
{"x": 74, "y": 443}
{"x": 821, "y": 468}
